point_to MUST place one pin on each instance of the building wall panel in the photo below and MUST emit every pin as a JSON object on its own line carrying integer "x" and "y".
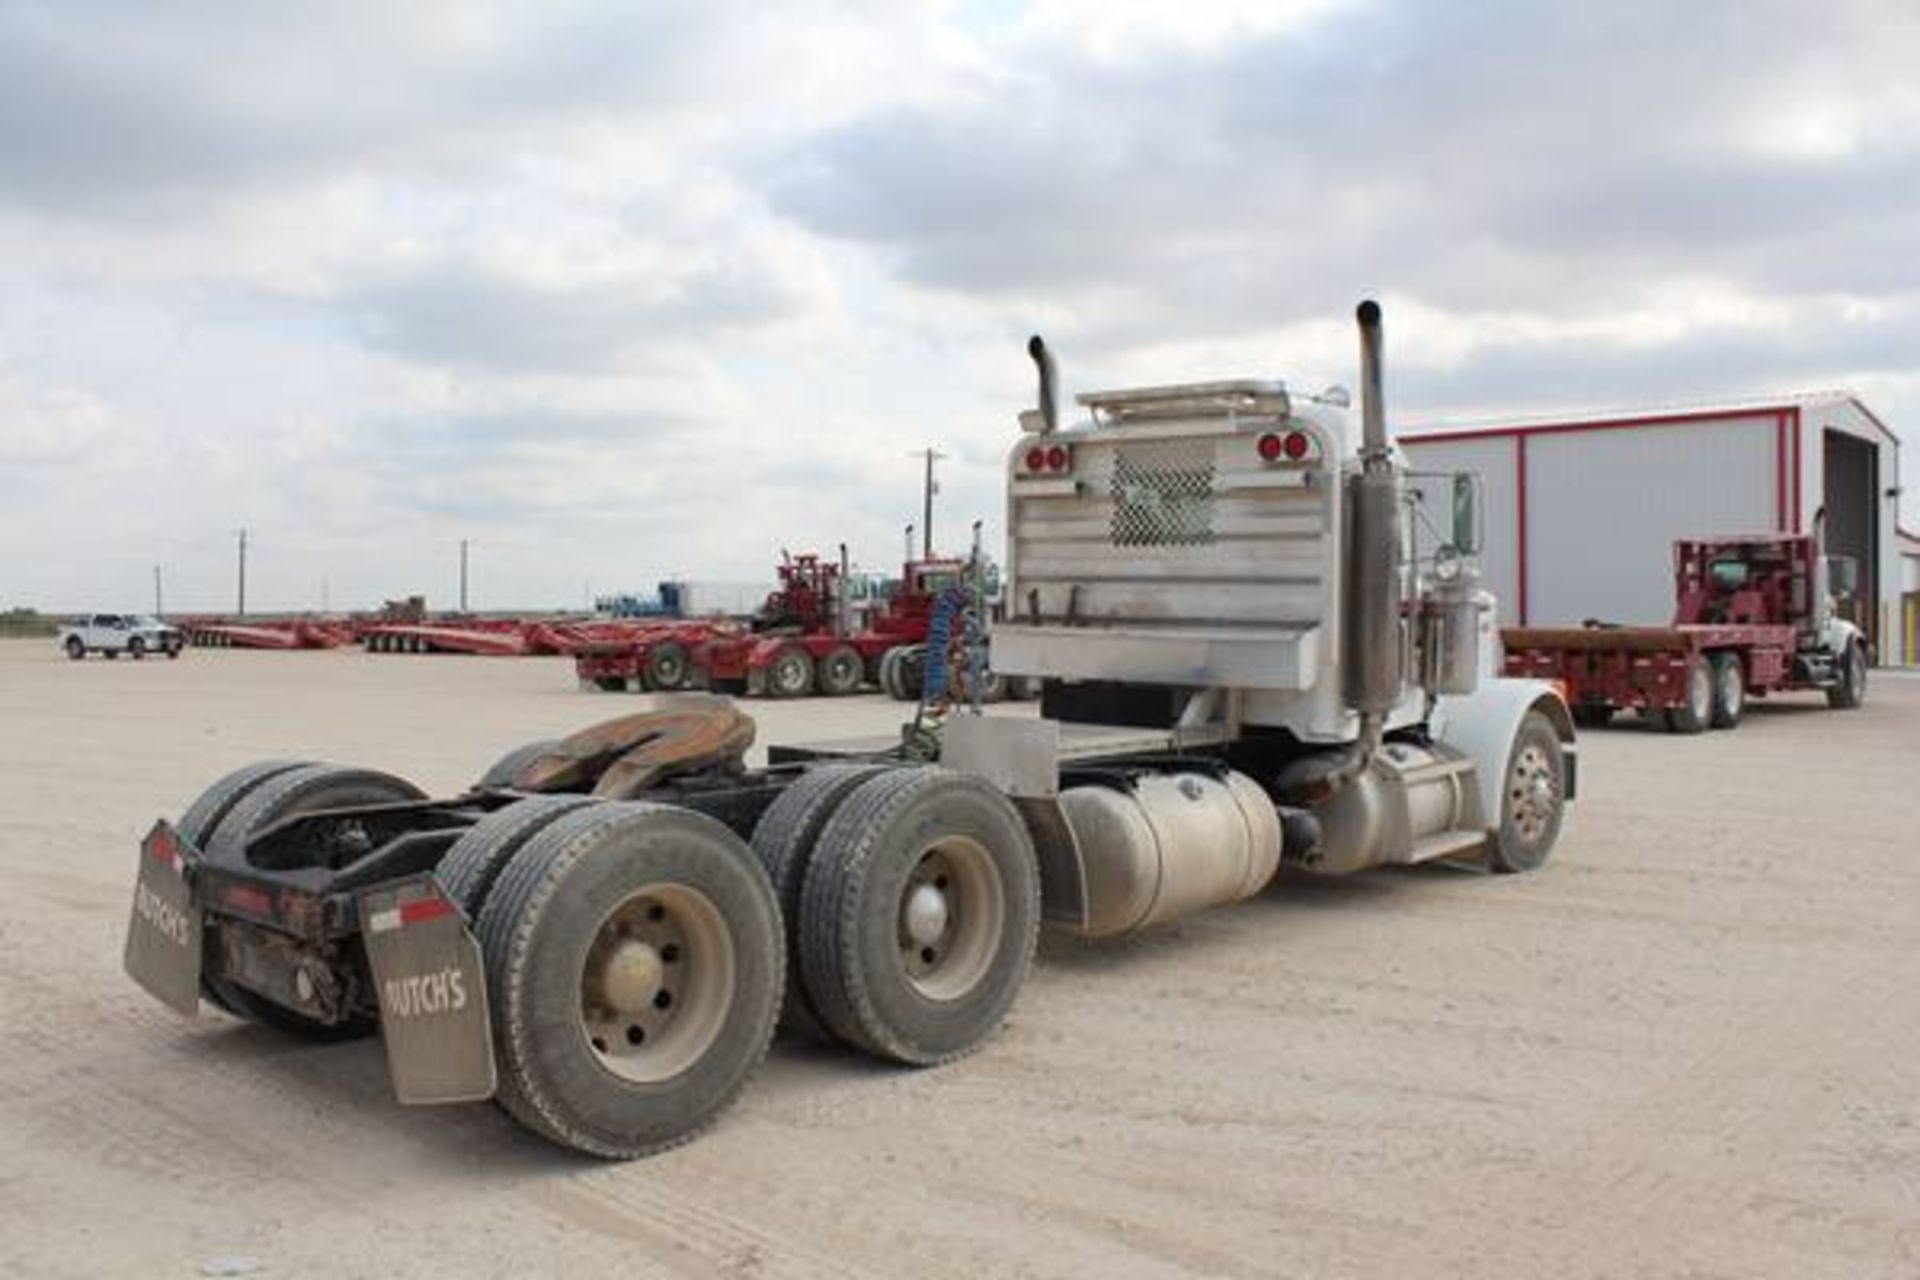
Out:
{"x": 1605, "y": 507}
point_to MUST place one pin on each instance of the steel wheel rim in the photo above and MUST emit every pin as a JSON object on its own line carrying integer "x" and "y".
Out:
{"x": 656, "y": 983}
{"x": 668, "y": 668}
{"x": 1533, "y": 793}
{"x": 1700, "y": 692}
{"x": 1735, "y": 693}
{"x": 951, "y": 917}
{"x": 787, "y": 673}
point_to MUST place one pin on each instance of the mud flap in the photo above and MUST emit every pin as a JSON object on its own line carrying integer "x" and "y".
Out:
{"x": 163, "y": 934}
{"x": 432, "y": 989}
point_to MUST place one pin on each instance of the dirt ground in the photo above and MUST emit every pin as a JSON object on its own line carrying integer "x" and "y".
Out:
{"x": 1688, "y": 1047}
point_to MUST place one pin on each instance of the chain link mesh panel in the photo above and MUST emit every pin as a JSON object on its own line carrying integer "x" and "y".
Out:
{"x": 1163, "y": 494}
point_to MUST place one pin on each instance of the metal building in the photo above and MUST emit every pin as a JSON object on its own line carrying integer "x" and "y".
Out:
{"x": 1582, "y": 512}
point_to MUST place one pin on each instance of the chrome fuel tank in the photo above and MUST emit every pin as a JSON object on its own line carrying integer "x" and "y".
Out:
{"x": 1169, "y": 846}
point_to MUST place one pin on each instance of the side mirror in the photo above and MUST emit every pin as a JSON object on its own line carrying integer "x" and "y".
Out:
{"x": 1466, "y": 514}
{"x": 1843, "y": 576}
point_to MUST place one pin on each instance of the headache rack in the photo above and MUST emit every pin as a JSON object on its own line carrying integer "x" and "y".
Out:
{"x": 1244, "y": 397}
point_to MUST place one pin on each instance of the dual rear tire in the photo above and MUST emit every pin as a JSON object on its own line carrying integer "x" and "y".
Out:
{"x": 242, "y": 805}
{"x": 913, "y": 902}
{"x": 1694, "y": 712}
{"x": 790, "y": 673}
{"x": 634, "y": 963}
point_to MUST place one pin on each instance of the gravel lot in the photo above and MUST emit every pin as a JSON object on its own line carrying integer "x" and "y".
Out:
{"x": 1689, "y": 1046}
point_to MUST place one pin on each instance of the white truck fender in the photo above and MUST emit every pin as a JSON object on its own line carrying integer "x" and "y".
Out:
{"x": 1481, "y": 725}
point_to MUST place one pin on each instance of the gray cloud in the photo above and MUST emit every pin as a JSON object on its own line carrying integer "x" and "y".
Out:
{"x": 125, "y": 112}
{"x": 1477, "y": 156}
{"x": 464, "y": 313}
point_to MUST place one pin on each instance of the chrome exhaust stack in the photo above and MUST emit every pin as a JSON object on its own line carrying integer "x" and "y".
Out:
{"x": 1373, "y": 655}
{"x": 1049, "y": 381}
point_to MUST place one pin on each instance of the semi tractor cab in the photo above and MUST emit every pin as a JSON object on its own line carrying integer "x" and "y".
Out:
{"x": 1244, "y": 666}
{"x": 1233, "y": 569}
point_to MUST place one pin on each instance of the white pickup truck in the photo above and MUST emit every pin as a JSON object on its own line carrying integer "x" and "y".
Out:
{"x": 113, "y": 634}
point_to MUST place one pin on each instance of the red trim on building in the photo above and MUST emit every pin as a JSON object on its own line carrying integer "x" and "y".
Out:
{"x": 1603, "y": 424}
{"x": 1794, "y": 415}
{"x": 1520, "y": 505}
{"x": 1780, "y": 508}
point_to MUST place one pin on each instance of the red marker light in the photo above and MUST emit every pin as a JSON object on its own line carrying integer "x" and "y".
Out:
{"x": 1057, "y": 458}
{"x": 1036, "y": 458}
{"x": 1297, "y": 444}
{"x": 1270, "y": 447}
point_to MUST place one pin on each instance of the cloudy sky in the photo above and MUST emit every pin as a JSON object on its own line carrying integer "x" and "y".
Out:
{"x": 620, "y": 290}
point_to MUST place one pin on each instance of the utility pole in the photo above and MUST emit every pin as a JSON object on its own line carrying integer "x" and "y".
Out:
{"x": 463, "y": 575}
{"x": 242, "y": 610}
{"x": 928, "y": 489}
{"x": 158, "y": 607}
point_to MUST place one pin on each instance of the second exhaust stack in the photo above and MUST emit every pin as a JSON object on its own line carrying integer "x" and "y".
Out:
{"x": 1373, "y": 665}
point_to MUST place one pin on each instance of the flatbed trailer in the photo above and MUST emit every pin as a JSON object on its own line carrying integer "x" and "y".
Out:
{"x": 1752, "y": 618}
{"x": 1656, "y": 670}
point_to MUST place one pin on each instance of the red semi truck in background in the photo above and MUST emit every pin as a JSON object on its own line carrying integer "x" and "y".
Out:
{"x": 1753, "y": 615}
{"x": 803, "y": 640}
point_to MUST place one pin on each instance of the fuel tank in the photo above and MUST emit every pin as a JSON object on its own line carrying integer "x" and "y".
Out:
{"x": 1170, "y": 845}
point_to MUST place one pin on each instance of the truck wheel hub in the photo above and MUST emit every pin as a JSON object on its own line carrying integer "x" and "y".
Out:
{"x": 632, "y": 977}
{"x": 1533, "y": 794}
{"x": 952, "y": 913}
{"x": 925, "y": 916}
{"x": 657, "y": 983}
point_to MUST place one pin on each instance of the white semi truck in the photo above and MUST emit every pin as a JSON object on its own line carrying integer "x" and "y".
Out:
{"x": 1248, "y": 670}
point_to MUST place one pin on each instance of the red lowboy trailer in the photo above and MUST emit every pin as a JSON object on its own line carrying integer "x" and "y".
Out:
{"x": 1752, "y": 616}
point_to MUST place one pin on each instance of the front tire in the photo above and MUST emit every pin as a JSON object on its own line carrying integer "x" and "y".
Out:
{"x": 1532, "y": 798}
{"x": 634, "y": 967}
{"x": 76, "y": 648}
{"x": 1851, "y": 688}
{"x": 919, "y": 915}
